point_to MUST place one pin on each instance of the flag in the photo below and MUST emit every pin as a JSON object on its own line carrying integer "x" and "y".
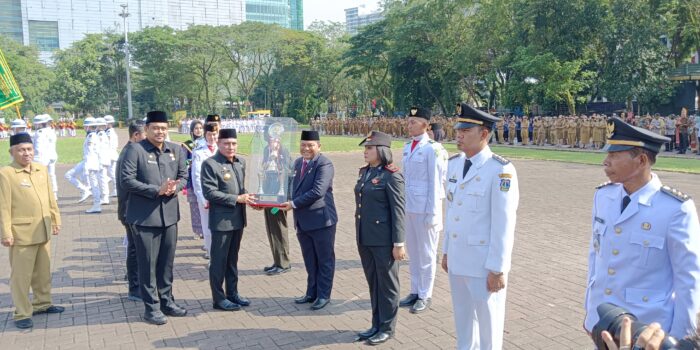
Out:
{"x": 9, "y": 90}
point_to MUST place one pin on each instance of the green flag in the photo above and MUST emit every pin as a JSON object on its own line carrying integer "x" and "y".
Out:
{"x": 9, "y": 90}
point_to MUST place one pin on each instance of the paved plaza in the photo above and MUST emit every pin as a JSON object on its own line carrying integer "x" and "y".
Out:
{"x": 545, "y": 291}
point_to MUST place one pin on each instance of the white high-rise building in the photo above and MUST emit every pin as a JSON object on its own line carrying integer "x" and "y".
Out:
{"x": 56, "y": 24}
{"x": 358, "y": 17}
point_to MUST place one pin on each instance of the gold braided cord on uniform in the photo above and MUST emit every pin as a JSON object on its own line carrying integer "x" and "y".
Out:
{"x": 467, "y": 120}
{"x": 626, "y": 143}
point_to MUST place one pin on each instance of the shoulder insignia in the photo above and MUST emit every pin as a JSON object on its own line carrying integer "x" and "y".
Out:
{"x": 500, "y": 159}
{"x": 361, "y": 170}
{"x": 431, "y": 141}
{"x": 391, "y": 168}
{"x": 603, "y": 185}
{"x": 456, "y": 155}
{"x": 675, "y": 193}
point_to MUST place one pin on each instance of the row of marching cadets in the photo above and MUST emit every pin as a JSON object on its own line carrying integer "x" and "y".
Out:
{"x": 92, "y": 176}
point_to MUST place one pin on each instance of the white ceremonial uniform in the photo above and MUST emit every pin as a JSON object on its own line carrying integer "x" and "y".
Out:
{"x": 91, "y": 156}
{"x": 199, "y": 155}
{"x": 113, "y": 154}
{"x": 647, "y": 258}
{"x": 105, "y": 163}
{"x": 76, "y": 176}
{"x": 424, "y": 169}
{"x": 45, "y": 152}
{"x": 479, "y": 234}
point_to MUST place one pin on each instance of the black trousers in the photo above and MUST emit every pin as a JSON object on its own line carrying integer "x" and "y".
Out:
{"x": 683, "y": 144}
{"x": 132, "y": 267}
{"x": 672, "y": 144}
{"x": 278, "y": 235}
{"x": 155, "y": 250}
{"x": 224, "y": 263}
{"x": 318, "y": 250}
{"x": 382, "y": 273}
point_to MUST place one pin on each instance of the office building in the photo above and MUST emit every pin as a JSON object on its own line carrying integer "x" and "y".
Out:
{"x": 285, "y": 13}
{"x": 358, "y": 17}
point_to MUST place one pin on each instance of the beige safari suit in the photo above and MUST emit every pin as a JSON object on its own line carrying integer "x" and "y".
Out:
{"x": 28, "y": 212}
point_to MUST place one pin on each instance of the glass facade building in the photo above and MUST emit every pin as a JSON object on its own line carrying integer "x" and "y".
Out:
{"x": 296, "y": 14}
{"x": 285, "y": 13}
{"x": 358, "y": 17}
{"x": 11, "y": 19}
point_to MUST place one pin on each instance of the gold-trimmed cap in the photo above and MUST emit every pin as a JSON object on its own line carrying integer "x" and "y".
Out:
{"x": 468, "y": 117}
{"x": 622, "y": 137}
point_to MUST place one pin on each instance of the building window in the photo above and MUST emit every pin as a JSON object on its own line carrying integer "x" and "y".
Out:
{"x": 44, "y": 34}
{"x": 11, "y": 19}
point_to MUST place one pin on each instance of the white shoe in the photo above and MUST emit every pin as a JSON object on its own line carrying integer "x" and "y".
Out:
{"x": 105, "y": 201}
{"x": 84, "y": 196}
{"x": 94, "y": 210}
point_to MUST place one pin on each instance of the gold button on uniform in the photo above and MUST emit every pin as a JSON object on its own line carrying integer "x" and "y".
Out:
{"x": 377, "y": 222}
{"x": 611, "y": 272}
{"x": 608, "y": 291}
{"x": 461, "y": 187}
{"x": 615, "y": 252}
{"x": 645, "y": 299}
{"x": 618, "y": 230}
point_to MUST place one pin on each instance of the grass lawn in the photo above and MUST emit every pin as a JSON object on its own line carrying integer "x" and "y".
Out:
{"x": 70, "y": 151}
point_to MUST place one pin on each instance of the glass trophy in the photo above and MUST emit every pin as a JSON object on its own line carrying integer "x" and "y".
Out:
{"x": 270, "y": 169}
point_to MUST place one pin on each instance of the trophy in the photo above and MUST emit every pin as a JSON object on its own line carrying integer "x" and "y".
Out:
{"x": 272, "y": 161}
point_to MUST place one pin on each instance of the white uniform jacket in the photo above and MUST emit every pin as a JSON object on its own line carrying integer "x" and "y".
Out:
{"x": 424, "y": 170}
{"x": 480, "y": 215}
{"x": 645, "y": 259}
{"x": 199, "y": 155}
{"x": 113, "y": 144}
{"x": 104, "y": 148}
{"x": 91, "y": 152}
{"x": 41, "y": 146}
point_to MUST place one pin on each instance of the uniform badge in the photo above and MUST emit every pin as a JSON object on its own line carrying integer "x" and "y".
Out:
{"x": 150, "y": 156}
{"x": 596, "y": 244}
{"x": 227, "y": 176}
{"x": 646, "y": 226}
{"x": 25, "y": 183}
{"x": 505, "y": 176}
{"x": 172, "y": 157}
{"x": 375, "y": 181}
{"x": 505, "y": 185}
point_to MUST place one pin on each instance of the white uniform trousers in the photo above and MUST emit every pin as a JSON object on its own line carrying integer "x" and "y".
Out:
{"x": 113, "y": 176}
{"x": 94, "y": 181}
{"x": 76, "y": 176}
{"x": 104, "y": 183}
{"x": 479, "y": 315}
{"x": 204, "y": 216}
{"x": 51, "y": 168}
{"x": 421, "y": 243}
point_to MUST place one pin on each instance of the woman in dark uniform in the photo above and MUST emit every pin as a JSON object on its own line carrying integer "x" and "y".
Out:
{"x": 196, "y": 133}
{"x": 379, "y": 222}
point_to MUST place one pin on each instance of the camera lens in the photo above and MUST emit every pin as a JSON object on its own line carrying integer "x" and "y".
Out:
{"x": 610, "y": 319}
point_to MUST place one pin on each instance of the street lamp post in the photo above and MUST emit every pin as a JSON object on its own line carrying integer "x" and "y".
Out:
{"x": 124, "y": 15}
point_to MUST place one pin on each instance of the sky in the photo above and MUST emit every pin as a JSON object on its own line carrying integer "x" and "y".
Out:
{"x": 332, "y": 10}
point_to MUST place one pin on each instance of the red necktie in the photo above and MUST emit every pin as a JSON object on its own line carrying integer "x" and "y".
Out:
{"x": 413, "y": 144}
{"x": 303, "y": 169}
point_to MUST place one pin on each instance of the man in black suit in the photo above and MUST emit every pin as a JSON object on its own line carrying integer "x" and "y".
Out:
{"x": 314, "y": 218}
{"x": 223, "y": 185}
{"x": 153, "y": 172}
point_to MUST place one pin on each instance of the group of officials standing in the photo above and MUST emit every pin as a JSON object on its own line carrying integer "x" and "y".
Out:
{"x": 644, "y": 253}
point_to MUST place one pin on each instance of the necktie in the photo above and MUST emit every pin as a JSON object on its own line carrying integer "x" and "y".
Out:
{"x": 467, "y": 165}
{"x": 413, "y": 144}
{"x": 625, "y": 202}
{"x": 303, "y": 169}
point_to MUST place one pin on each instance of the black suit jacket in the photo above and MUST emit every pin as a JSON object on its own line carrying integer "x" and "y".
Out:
{"x": 313, "y": 194}
{"x": 122, "y": 196}
{"x": 379, "y": 207}
{"x": 143, "y": 170}
{"x": 222, "y": 182}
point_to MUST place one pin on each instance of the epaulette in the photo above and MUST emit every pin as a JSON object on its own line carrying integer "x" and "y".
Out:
{"x": 431, "y": 141}
{"x": 500, "y": 159}
{"x": 603, "y": 185}
{"x": 391, "y": 168}
{"x": 359, "y": 171}
{"x": 188, "y": 144}
{"x": 675, "y": 193}
{"x": 454, "y": 156}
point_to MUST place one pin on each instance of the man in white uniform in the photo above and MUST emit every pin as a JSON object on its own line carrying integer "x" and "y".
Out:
{"x": 44, "y": 139}
{"x": 18, "y": 126}
{"x": 201, "y": 153}
{"x": 112, "y": 153}
{"x": 482, "y": 200}
{"x": 105, "y": 159}
{"x": 91, "y": 157}
{"x": 424, "y": 167}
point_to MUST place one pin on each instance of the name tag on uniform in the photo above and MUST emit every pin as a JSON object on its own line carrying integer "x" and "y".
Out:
{"x": 152, "y": 162}
{"x": 25, "y": 183}
{"x": 600, "y": 220}
{"x": 454, "y": 181}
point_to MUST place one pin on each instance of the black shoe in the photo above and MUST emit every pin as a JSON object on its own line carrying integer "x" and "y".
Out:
{"x": 268, "y": 268}
{"x": 156, "y": 318}
{"x": 24, "y": 323}
{"x": 237, "y": 299}
{"x": 379, "y": 338}
{"x": 420, "y": 306}
{"x": 174, "y": 311}
{"x": 53, "y": 309}
{"x": 366, "y": 334}
{"x": 278, "y": 270}
{"x": 303, "y": 300}
{"x": 409, "y": 300}
{"x": 320, "y": 303}
{"x": 227, "y": 305}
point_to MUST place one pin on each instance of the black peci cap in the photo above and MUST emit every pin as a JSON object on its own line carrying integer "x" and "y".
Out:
{"x": 622, "y": 137}
{"x": 310, "y": 135}
{"x": 420, "y": 112}
{"x": 227, "y": 134}
{"x": 211, "y": 128}
{"x": 20, "y": 138}
{"x": 377, "y": 138}
{"x": 213, "y": 118}
{"x": 468, "y": 117}
{"x": 156, "y": 117}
